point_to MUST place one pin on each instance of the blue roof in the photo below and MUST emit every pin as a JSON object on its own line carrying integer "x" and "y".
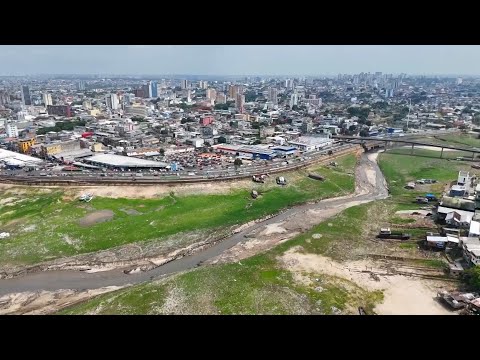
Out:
{"x": 284, "y": 148}
{"x": 430, "y": 195}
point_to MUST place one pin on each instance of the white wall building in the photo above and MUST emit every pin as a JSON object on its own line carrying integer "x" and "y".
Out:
{"x": 11, "y": 129}
{"x": 47, "y": 99}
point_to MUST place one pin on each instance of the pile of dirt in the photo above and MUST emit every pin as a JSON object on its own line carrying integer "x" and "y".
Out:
{"x": 96, "y": 217}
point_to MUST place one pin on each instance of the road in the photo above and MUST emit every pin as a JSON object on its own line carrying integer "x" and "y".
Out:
{"x": 213, "y": 173}
{"x": 193, "y": 175}
{"x": 77, "y": 280}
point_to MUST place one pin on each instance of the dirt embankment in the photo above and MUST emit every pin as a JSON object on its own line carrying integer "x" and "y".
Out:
{"x": 46, "y": 302}
{"x": 404, "y": 294}
{"x": 140, "y": 191}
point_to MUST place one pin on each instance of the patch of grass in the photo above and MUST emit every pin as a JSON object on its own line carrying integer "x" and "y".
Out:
{"x": 461, "y": 139}
{"x": 408, "y": 245}
{"x": 434, "y": 263}
{"x": 399, "y": 168}
{"x": 399, "y": 220}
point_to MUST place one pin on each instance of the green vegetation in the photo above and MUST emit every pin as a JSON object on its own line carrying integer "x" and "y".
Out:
{"x": 400, "y": 168}
{"x": 258, "y": 285}
{"x": 62, "y": 125}
{"x": 46, "y": 225}
{"x": 462, "y": 139}
{"x": 472, "y": 277}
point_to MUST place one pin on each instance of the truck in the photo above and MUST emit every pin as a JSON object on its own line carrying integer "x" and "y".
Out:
{"x": 281, "y": 180}
{"x": 386, "y": 233}
{"x": 421, "y": 200}
{"x": 259, "y": 178}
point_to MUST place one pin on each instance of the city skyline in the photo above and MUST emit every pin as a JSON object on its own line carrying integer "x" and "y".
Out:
{"x": 239, "y": 60}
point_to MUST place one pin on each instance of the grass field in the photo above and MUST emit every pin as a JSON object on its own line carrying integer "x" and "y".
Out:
{"x": 260, "y": 285}
{"x": 45, "y": 225}
{"x": 462, "y": 139}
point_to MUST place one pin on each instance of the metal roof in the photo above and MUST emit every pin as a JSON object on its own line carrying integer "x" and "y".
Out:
{"x": 123, "y": 161}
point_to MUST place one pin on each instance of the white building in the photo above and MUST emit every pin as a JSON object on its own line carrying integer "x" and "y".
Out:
{"x": 112, "y": 102}
{"x": 11, "y": 129}
{"x": 293, "y": 100}
{"x": 47, "y": 99}
{"x": 273, "y": 95}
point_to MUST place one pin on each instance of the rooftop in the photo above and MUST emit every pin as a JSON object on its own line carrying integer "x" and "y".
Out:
{"x": 123, "y": 161}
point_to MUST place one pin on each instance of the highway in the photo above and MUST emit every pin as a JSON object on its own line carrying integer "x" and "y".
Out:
{"x": 196, "y": 175}
{"x": 130, "y": 178}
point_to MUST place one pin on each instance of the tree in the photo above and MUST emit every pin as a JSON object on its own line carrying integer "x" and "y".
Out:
{"x": 221, "y": 107}
{"x": 364, "y": 133}
{"x": 222, "y": 140}
{"x": 162, "y": 151}
{"x": 472, "y": 277}
{"x": 237, "y": 162}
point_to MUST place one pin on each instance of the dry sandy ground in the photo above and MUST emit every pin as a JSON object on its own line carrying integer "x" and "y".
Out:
{"x": 433, "y": 148}
{"x": 45, "y": 302}
{"x": 136, "y": 192}
{"x": 96, "y": 217}
{"x": 403, "y": 295}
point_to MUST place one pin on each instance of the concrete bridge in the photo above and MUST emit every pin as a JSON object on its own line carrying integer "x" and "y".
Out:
{"x": 376, "y": 142}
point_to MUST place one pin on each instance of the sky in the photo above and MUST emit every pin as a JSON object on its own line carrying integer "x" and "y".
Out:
{"x": 238, "y": 59}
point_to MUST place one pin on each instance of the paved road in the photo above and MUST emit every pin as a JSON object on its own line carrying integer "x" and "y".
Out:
{"x": 77, "y": 280}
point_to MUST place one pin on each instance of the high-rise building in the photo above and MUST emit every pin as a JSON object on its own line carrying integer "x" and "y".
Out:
{"x": 152, "y": 89}
{"x": 211, "y": 94}
{"x": 4, "y": 97}
{"x": 47, "y": 99}
{"x": 111, "y": 100}
{"x": 289, "y": 83}
{"x": 221, "y": 98}
{"x": 26, "y": 98}
{"x": 146, "y": 90}
{"x": 127, "y": 98}
{"x": 189, "y": 96}
{"x": 272, "y": 95}
{"x": 240, "y": 102}
{"x": 203, "y": 84}
{"x": 81, "y": 85}
{"x": 184, "y": 84}
{"x": 307, "y": 126}
{"x": 459, "y": 81}
{"x": 11, "y": 129}
{"x": 139, "y": 93}
{"x": 293, "y": 100}
{"x": 234, "y": 90}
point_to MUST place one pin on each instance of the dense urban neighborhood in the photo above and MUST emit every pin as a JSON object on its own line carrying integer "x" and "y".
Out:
{"x": 162, "y": 194}
{"x": 166, "y": 125}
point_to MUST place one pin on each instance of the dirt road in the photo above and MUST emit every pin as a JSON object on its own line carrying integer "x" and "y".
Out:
{"x": 367, "y": 190}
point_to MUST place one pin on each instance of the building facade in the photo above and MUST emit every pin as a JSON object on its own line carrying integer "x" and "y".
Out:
{"x": 26, "y": 98}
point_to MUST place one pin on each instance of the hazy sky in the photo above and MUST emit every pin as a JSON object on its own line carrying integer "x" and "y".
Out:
{"x": 238, "y": 59}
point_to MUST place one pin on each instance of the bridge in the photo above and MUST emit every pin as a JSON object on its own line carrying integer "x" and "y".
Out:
{"x": 373, "y": 142}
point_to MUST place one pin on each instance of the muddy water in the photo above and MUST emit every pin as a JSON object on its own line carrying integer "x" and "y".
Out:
{"x": 366, "y": 191}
